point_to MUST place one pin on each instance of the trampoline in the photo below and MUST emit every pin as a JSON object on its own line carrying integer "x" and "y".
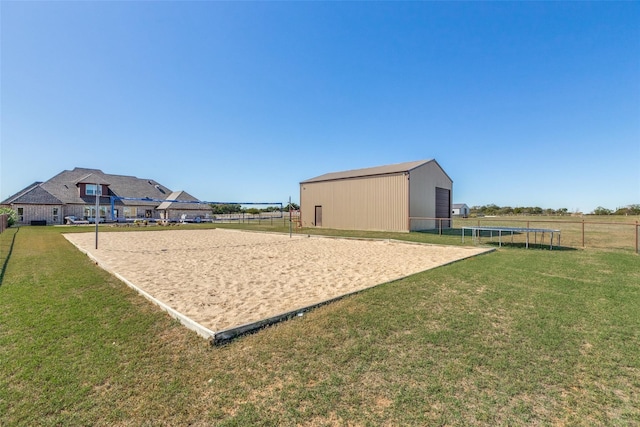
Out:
{"x": 476, "y": 232}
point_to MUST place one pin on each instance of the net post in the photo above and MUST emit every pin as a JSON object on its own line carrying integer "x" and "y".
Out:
{"x": 290, "y": 231}
{"x": 97, "y": 215}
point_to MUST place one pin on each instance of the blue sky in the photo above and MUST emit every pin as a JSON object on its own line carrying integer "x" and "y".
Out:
{"x": 522, "y": 104}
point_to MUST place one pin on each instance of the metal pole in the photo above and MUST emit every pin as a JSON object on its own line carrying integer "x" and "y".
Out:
{"x": 290, "y": 217}
{"x": 96, "y": 215}
{"x": 583, "y": 233}
{"x": 637, "y": 249}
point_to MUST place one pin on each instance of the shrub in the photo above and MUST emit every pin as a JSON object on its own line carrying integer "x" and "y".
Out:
{"x": 12, "y": 215}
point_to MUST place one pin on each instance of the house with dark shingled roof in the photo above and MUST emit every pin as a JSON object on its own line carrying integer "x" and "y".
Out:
{"x": 73, "y": 193}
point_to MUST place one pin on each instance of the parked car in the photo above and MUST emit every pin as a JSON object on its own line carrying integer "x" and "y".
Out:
{"x": 74, "y": 220}
{"x": 92, "y": 220}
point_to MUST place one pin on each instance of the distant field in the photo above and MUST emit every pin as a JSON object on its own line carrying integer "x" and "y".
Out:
{"x": 605, "y": 232}
{"x": 612, "y": 231}
{"x": 515, "y": 337}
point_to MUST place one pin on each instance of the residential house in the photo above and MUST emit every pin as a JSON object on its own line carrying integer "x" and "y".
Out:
{"x": 120, "y": 198}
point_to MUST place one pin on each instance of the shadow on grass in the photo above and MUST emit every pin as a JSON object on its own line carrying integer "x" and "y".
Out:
{"x": 8, "y": 256}
{"x": 457, "y": 232}
{"x": 523, "y": 245}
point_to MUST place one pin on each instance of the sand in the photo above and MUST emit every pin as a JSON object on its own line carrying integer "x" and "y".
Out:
{"x": 226, "y": 278}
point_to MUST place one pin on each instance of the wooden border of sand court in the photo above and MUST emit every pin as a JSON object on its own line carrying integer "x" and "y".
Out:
{"x": 226, "y": 335}
{"x": 223, "y": 336}
{"x": 186, "y": 321}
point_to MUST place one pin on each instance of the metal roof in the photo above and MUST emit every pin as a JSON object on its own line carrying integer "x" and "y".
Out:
{"x": 378, "y": 170}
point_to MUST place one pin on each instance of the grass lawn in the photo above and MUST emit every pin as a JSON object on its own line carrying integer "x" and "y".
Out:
{"x": 515, "y": 337}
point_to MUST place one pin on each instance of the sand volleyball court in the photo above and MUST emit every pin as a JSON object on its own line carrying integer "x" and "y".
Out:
{"x": 221, "y": 279}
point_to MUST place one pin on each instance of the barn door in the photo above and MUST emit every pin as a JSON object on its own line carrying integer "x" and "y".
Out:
{"x": 443, "y": 205}
{"x": 318, "y": 221}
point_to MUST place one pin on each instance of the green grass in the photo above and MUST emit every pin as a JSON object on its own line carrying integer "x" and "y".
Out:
{"x": 515, "y": 337}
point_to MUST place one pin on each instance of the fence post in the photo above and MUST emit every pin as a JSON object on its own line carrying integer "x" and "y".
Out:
{"x": 637, "y": 249}
{"x": 583, "y": 233}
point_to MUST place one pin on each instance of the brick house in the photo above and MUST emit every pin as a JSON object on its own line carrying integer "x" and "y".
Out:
{"x": 73, "y": 193}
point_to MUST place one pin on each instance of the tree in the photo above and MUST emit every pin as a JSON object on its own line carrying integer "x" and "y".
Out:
{"x": 506, "y": 210}
{"x": 622, "y": 211}
{"x": 536, "y": 210}
{"x": 491, "y": 209}
{"x": 220, "y": 209}
{"x": 628, "y": 210}
{"x": 12, "y": 215}
{"x": 291, "y": 206}
{"x": 602, "y": 211}
{"x": 271, "y": 209}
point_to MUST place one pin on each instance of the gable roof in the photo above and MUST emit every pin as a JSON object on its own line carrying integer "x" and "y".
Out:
{"x": 33, "y": 194}
{"x": 182, "y": 196}
{"x": 93, "y": 178}
{"x": 458, "y": 205}
{"x": 378, "y": 170}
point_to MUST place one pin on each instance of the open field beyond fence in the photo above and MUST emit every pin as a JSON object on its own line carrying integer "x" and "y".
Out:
{"x": 607, "y": 232}
{"x": 514, "y": 337}
{"x": 612, "y": 232}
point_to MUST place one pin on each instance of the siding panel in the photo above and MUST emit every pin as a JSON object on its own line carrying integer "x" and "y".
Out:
{"x": 371, "y": 203}
{"x": 423, "y": 183}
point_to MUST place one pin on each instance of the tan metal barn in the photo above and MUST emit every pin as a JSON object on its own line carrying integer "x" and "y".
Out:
{"x": 400, "y": 197}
